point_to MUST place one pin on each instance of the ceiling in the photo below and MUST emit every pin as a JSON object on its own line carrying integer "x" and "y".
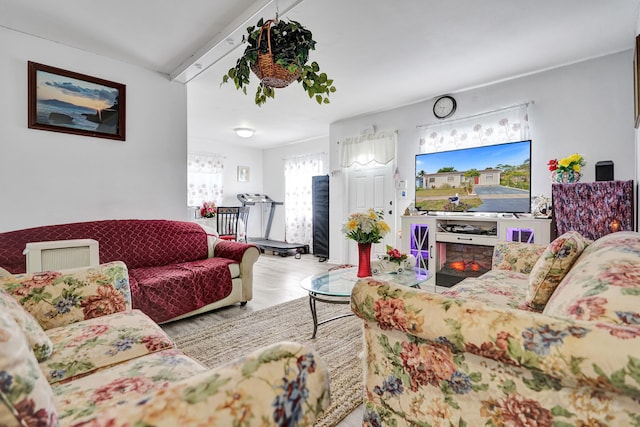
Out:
{"x": 381, "y": 53}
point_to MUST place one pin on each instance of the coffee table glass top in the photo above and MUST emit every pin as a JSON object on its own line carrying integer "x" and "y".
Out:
{"x": 340, "y": 282}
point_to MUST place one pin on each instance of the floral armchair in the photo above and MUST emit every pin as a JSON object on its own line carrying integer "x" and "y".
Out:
{"x": 462, "y": 359}
{"x": 74, "y": 353}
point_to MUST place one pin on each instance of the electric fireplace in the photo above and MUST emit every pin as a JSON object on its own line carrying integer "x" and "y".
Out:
{"x": 459, "y": 261}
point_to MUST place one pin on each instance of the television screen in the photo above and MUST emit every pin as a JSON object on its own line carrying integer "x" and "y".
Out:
{"x": 492, "y": 178}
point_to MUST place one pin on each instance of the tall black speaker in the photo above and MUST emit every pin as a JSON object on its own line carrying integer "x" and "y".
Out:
{"x": 604, "y": 170}
{"x": 320, "y": 216}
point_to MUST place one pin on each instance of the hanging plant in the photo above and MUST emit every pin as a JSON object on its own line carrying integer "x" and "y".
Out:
{"x": 278, "y": 54}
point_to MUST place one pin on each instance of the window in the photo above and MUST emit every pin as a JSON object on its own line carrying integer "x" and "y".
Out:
{"x": 297, "y": 199}
{"x": 204, "y": 179}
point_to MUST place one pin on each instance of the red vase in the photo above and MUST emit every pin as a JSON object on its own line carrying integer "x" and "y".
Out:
{"x": 364, "y": 259}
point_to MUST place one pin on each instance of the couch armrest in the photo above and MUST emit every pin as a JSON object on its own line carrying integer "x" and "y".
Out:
{"x": 573, "y": 352}
{"x": 58, "y": 298}
{"x": 516, "y": 256}
{"x": 237, "y": 251}
{"x": 246, "y": 255}
{"x": 282, "y": 384}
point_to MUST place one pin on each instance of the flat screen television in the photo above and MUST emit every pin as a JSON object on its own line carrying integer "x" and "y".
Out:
{"x": 488, "y": 179}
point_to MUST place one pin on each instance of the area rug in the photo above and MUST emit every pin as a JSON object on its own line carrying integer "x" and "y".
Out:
{"x": 338, "y": 342}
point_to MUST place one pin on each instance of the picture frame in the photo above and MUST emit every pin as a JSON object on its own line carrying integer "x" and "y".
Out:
{"x": 243, "y": 173}
{"x": 636, "y": 83}
{"x": 66, "y": 101}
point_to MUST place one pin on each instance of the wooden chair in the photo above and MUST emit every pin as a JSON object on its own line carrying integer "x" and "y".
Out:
{"x": 232, "y": 222}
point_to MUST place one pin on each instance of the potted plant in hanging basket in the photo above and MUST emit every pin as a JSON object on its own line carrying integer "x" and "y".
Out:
{"x": 278, "y": 54}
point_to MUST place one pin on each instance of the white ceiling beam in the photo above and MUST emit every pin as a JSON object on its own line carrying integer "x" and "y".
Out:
{"x": 229, "y": 39}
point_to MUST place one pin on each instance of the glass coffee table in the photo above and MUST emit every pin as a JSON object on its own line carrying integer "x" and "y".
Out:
{"x": 335, "y": 286}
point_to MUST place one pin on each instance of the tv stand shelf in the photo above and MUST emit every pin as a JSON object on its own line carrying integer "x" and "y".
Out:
{"x": 429, "y": 237}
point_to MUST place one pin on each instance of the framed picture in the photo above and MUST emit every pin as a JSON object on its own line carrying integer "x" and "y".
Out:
{"x": 64, "y": 101}
{"x": 636, "y": 83}
{"x": 243, "y": 173}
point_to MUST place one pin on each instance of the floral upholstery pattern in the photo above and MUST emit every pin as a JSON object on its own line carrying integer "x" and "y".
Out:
{"x": 291, "y": 381}
{"x": 130, "y": 380}
{"x": 83, "y": 347}
{"x": 516, "y": 256}
{"x": 27, "y": 398}
{"x": 497, "y": 287}
{"x": 38, "y": 339}
{"x": 605, "y": 286}
{"x": 57, "y": 298}
{"x": 552, "y": 267}
{"x": 121, "y": 369}
{"x": 441, "y": 361}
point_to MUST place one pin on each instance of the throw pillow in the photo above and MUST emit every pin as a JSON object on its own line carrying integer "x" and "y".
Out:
{"x": 26, "y": 395}
{"x": 552, "y": 267}
{"x": 38, "y": 339}
{"x": 4, "y": 273}
{"x": 516, "y": 256}
{"x": 603, "y": 284}
{"x": 57, "y": 298}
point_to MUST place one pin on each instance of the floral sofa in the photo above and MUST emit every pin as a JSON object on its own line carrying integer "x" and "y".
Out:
{"x": 549, "y": 337}
{"x": 176, "y": 269}
{"x": 74, "y": 353}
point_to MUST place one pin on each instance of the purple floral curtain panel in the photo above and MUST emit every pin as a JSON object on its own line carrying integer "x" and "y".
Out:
{"x": 594, "y": 209}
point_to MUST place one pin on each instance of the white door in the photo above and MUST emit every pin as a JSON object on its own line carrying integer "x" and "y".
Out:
{"x": 372, "y": 188}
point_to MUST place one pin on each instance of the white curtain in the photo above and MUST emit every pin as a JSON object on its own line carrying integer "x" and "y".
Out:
{"x": 298, "y": 198}
{"x": 506, "y": 125}
{"x": 204, "y": 179}
{"x": 377, "y": 147}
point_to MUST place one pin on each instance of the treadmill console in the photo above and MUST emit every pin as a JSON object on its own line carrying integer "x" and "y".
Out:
{"x": 253, "y": 198}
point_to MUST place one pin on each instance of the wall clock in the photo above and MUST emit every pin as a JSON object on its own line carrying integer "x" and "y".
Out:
{"x": 444, "y": 107}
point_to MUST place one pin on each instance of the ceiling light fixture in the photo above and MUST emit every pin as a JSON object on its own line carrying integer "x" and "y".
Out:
{"x": 244, "y": 132}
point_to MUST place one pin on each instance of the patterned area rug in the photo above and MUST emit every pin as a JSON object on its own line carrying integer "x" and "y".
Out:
{"x": 339, "y": 344}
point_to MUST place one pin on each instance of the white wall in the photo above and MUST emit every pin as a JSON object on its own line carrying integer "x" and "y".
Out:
{"x": 585, "y": 107}
{"x": 51, "y": 178}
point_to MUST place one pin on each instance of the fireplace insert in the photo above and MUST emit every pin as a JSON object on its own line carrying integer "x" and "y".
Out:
{"x": 459, "y": 261}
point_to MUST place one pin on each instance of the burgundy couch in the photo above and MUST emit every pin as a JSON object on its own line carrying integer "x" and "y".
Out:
{"x": 176, "y": 269}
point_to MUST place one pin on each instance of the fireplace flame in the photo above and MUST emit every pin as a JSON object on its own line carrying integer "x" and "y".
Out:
{"x": 463, "y": 266}
{"x": 457, "y": 265}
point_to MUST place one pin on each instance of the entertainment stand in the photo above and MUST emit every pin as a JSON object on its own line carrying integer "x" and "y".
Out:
{"x": 452, "y": 247}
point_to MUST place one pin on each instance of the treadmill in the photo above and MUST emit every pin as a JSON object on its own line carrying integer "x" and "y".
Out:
{"x": 264, "y": 243}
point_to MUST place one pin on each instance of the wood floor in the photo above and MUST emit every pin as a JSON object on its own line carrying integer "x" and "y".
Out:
{"x": 276, "y": 280}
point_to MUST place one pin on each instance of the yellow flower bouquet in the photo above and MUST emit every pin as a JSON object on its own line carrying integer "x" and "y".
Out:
{"x": 366, "y": 227}
{"x": 567, "y": 169}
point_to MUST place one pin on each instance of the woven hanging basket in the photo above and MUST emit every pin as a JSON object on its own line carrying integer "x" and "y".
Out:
{"x": 270, "y": 73}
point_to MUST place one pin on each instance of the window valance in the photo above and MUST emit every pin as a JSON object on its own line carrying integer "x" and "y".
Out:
{"x": 377, "y": 147}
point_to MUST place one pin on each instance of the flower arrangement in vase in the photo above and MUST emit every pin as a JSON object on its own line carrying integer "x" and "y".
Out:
{"x": 395, "y": 261}
{"x": 365, "y": 228}
{"x": 567, "y": 169}
{"x": 394, "y": 255}
{"x": 208, "y": 210}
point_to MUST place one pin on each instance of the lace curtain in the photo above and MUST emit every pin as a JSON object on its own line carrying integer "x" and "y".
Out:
{"x": 375, "y": 147}
{"x": 298, "y": 198}
{"x": 204, "y": 179}
{"x": 506, "y": 125}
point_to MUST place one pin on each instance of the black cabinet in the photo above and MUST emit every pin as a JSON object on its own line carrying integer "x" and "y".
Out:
{"x": 320, "y": 206}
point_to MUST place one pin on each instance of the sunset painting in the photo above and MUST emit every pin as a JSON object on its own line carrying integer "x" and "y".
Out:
{"x": 69, "y": 102}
